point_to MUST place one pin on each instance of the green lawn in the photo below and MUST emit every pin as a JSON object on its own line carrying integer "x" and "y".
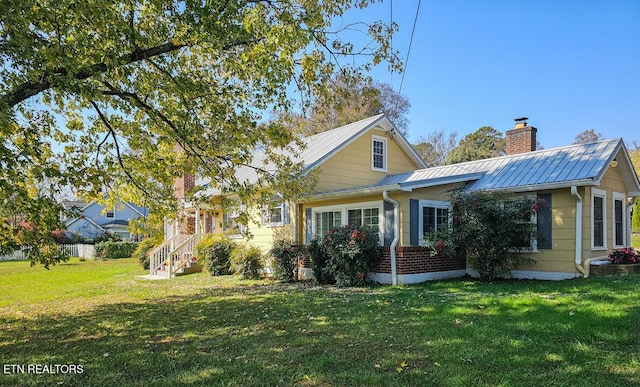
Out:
{"x": 198, "y": 330}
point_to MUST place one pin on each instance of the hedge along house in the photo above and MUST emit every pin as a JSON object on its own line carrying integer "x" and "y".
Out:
{"x": 367, "y": 176}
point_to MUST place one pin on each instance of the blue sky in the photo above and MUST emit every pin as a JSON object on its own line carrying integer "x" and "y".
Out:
{"x": 568, "y": 65}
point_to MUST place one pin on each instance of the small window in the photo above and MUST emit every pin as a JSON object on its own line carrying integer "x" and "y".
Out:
{"x": 379, "y": 154}
{"x": 231, "y": 221}
{"x": 275, "y": 214}
{"x": 327, "y": 220}
{"x": 618, "y": 220}
{"x": 598, "y": 223}
{"x": 110, "y": 215}
{"x": 433, "y": 215}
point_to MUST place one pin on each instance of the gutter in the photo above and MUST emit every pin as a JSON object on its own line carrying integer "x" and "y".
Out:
{"x": 581, "y": 269}
{"x": 351, "y": 192}
{"x": 396, "y": 236}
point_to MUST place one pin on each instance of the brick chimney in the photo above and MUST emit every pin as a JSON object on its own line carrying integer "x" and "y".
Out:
{"x": 522, "y": 138}
{"x": 183, "y": 184}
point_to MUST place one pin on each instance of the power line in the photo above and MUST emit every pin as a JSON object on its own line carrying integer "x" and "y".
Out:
{"x": 406, "y": 62}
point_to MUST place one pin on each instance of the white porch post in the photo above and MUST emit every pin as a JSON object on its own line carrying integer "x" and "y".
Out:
{"x": 197, "y": 221}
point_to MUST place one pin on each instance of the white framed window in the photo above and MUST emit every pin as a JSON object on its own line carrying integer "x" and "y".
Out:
{"x": 276, "y": 213}
{"x": 378, "y": 153}
{"x": 230, "y": 221}
{"x": 598, "y": 219}
{"x": 110, "y": 215}
{"x": 619, "y": 221}
{"x": 367, "y": 214}
{"x": 525, "y": 243}
{"x": 433, "y": 214}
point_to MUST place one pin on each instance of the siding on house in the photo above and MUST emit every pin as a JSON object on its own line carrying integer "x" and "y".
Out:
{"x": 351, "y": 166}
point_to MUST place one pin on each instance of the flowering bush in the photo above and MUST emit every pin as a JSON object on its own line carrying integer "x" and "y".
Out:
{"x": 626, "y": 255}
{"x": 351, "y": 252}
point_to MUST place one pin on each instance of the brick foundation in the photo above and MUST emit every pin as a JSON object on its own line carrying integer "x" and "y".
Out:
{"x": 417, "y": 260}
{"x": 614, "y": 269}
{"x": 409, "y": 260}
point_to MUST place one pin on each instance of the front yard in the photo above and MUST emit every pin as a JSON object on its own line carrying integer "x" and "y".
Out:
{"x": 199, "y": 330}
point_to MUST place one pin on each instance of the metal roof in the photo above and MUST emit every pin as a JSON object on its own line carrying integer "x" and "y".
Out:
{"x": 581, "y": 164}
{"x": 320, "y": 147}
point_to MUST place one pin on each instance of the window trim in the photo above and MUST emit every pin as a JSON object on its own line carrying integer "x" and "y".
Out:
{"x": 618, "y": 196}
{"x": 434, "y": 204}
{"x": 278, "y": 202}
{"x": 112, "y": 213}
{"x": 229, "y": 217}
{"x": 344, "y": 210}
{"x": 383, "y": 140}
{"x": 596, "y": 192}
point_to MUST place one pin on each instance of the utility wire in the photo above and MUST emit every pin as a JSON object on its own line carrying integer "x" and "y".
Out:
{"x": 406, "y": 62}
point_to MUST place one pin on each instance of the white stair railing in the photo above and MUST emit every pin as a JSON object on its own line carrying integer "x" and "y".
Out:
{"x": 173, "y": 254}
{"x": 182, "y": 255}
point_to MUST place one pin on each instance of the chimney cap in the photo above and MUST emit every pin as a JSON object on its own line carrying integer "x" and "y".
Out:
{"x": 521, "y": 119}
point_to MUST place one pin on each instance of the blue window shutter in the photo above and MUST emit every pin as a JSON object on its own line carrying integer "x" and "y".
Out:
{"x": 414, "y": 218}
{"x": 308, "y": 226}
{"x": 388, "y": 223}
{"x": 545, "y": 223}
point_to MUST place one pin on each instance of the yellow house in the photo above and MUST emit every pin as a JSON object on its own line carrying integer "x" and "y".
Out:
{"x": 368, "y": 174}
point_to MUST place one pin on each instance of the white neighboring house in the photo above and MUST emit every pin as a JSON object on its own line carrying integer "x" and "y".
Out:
{"x": 92, "y": 219}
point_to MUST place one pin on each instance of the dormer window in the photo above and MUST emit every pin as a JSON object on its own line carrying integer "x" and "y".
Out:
{"x": 378, "y": 153}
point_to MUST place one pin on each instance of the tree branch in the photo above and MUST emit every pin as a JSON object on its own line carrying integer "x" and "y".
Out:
{"x": 29, "y": 89}
{"x": 106, "y": 123}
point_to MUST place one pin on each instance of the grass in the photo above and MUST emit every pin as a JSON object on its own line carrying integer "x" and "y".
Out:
{"x": 199, "y": 330}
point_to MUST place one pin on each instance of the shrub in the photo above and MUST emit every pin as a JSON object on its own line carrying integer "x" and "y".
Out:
{"x": 625, "y": 256}
{"x": 214, "y": 253}
{"x": 319, "y": 261}
{"x": 247, "y": 261}
{"x": 114, "y": 250}
{"x": 285, "y": 260}
{"x": 491, "y": 230}
{"x": 352, "y": 250}
{"x": 144, "y": 248}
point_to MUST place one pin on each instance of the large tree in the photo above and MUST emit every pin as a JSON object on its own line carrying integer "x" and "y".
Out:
{"x": 128, "y": 95}
{"x": 435, "y": 146}
{"x": 484, "y": 143}
{"x": 347, "y": 98}
{"x": 587, "y": 136}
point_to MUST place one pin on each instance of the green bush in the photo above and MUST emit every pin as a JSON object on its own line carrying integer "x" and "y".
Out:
{"x": 247, "y": 261}
{"x": 214, "y": 253}
{"x": 285, "y": 260}
{"x": 319, "y": 261}
{"x": 114, "y": 250}
{"x": 144, "y": 248}
{"x": 352, "y": 251}
{"x": 491, "y": 230}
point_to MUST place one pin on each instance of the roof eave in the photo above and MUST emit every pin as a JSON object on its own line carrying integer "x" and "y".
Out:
{"x": 353, "y": 192}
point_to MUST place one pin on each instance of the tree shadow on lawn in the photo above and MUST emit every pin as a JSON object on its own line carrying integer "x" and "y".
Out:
{"x": 304, "y": 335}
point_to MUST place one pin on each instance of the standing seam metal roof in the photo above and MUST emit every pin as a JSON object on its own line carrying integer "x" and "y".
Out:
{"x": 526, "y": 170}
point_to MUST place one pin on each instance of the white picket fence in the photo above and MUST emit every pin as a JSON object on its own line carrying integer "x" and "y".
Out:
{"x": 75, "y": 250}
{"x": 15, "y": 256}
{"x": 80, "y": 250}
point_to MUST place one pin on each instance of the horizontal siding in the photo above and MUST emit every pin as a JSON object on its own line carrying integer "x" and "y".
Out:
{"x": 351, "y": 167}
